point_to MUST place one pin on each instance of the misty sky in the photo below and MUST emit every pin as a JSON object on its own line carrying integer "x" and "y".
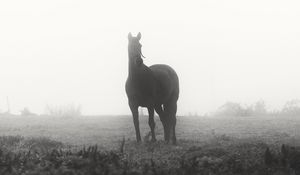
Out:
{"x": 75, "y": 52}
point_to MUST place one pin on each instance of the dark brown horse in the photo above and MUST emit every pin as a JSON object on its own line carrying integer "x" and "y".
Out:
{"x": 155, "y": 87}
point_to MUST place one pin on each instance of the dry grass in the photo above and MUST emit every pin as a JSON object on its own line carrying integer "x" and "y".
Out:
{"x": 205, "y": 145}
{"x": 109, "y": 130}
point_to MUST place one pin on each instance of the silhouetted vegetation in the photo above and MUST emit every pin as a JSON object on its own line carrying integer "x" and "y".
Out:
{"x": 63, "y": 111}
{"x": 287, "y": 160}
{"x": 233, "y": 109}
{"x": 18, "y": 156}
{"x": 26, "y": 112}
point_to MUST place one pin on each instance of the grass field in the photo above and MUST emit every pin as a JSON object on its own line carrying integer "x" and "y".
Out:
{"x": 205, "y": 145}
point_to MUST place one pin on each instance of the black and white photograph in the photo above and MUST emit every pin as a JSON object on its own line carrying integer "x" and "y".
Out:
{"x": 169, "y": 87}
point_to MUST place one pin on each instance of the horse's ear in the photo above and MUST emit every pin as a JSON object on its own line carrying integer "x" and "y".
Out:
{"x": 129, "y": 35}
{"x": 139, "y": 36}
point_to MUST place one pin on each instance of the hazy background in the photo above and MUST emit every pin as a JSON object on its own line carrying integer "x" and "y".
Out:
{"x": 75, "y": 52}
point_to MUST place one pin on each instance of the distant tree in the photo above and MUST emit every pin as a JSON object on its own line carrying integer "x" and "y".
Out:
{"x": 248, "y": 111}
{"x": 235, "y": 109}
{"x": 230, "y": 109}
{"x": 64, "y": 111}
{"x": 26, "y": 112}
{"x": 259, "y": 108}
{"x": 291, "y": 107}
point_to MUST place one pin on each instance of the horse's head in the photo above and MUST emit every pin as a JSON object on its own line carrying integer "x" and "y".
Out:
{"x": 135, "y": 48}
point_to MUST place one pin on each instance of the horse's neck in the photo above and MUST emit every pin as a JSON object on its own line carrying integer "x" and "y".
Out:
{"x": 135, "y": 70}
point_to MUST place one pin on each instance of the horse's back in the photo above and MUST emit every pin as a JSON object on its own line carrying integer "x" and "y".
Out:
{"x": 168, "y": 81}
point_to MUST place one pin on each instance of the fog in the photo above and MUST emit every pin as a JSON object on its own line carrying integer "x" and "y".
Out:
{"x": 75, "y": 52}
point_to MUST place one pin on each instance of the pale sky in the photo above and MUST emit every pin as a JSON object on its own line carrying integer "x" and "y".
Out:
{"x": 75, "y": 52}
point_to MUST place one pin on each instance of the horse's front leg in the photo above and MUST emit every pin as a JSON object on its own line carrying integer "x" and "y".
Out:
{"x": 135, "y": 115}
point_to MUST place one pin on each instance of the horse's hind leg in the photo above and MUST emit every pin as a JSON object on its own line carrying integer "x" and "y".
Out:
{"x": 162, "y": 117}
{"x": 151, "y": 122}
{"x": 174, "y": 120}
{"x": 170, "y": 110}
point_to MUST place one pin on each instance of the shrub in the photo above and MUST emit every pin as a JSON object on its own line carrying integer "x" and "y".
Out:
{"x": 26, "y": 112}
{"x": 64, "y": 111}
{"x": 291, "y": 108}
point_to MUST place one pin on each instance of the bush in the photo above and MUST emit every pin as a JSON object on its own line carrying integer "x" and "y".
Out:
{"x": 65, "y": 111}
{"x": 237, "y": 110}
{"x": 234, "y": 109}
{"x": 26, "y": 112}
{"x": 291, "y": 108}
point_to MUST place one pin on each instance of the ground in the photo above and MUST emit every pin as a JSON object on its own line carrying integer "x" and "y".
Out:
{"x": 206, "y": 145}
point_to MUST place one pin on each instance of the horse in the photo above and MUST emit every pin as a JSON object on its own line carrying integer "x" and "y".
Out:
{"x": 155, "y": 87}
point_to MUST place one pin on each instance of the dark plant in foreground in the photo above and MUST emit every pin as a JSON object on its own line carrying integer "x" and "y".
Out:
{"x": 237, "y": 158}
{"x": 288, "y": 159}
